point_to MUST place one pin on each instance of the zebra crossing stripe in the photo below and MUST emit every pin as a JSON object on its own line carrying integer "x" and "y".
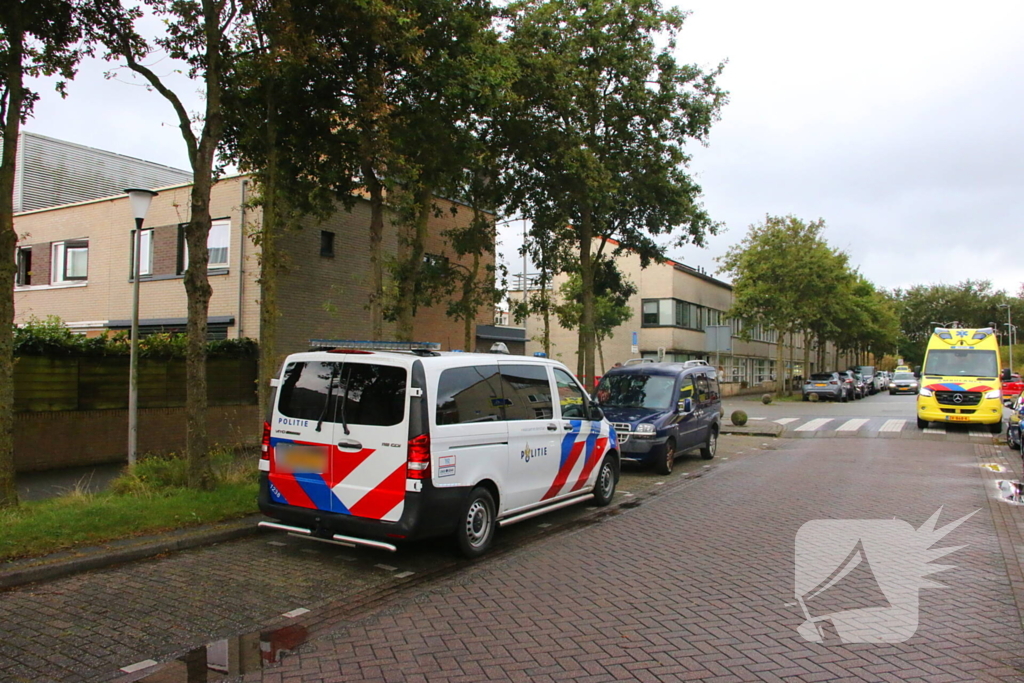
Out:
{"x": 893, "y": 426}
{"x": 786, "y": 420}
{"x": 851, "y": 425}
{"x": 814, "y": 425}
{"x": 983, "y": 435}
{"x": 932, "y": 430}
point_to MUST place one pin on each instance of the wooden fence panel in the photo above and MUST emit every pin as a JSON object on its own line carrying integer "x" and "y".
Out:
{"x": 101, "y": 383}
{"x": 45, "y": 384}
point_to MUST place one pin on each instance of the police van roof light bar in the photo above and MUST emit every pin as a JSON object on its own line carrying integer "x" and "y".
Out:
{"x": 366, "y": 345}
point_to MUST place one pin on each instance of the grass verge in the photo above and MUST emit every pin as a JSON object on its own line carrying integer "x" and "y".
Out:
{"x": 152, "y": 499}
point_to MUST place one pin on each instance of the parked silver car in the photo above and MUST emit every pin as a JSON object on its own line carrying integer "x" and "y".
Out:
{"x": 827, "y": 385}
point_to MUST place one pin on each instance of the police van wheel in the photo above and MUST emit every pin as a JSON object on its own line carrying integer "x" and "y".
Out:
{"x": 604, "y": 489}
{"x": 707, "y": 451}
{"x": 667, "y": 459}
{"x": 476, "y": 526}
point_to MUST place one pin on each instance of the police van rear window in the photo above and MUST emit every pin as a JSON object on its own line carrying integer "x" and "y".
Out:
{"x": 368, "y": 394}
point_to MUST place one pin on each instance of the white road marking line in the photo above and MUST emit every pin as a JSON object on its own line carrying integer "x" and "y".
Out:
{"x": 852, "y": 425}
{"x": 786, "y": 420}
{"x": 983, "y": 435}
{"x": 757, "y": 418}
{"x": 277, "y": 543}
{"x": 893, "y": 426}
{"x": 814, "y": 425}
{"x": 932, "y": 430}
{"x": 402, "y": 575}
{"x": 295, "y": 613}
{"x": 385, "y": 567}
{"x": 545, "y": 525}
{"x": 138, "y": 666}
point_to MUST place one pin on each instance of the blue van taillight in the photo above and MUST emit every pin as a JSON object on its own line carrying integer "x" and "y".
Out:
{"x": 265, "y": 455}
{"x": 418, "y": 461}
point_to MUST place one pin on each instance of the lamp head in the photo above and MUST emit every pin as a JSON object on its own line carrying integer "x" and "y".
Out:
{"x": 140, "y": 200}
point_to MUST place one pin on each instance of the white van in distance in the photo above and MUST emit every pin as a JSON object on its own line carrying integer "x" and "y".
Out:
{"x": 371, "y": 447}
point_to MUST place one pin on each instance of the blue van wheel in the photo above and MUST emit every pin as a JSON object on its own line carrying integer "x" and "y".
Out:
{"x": 666, "y": 459}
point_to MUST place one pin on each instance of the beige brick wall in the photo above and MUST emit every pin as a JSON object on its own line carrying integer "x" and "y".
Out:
{"x": 319, "y": 297}
{"x": 326, "y": 298}
{"x": 657, "y": 281}
{"x": 107, "y": 294}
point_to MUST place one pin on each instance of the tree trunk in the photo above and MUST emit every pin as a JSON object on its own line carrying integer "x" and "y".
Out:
{"x": 807, "y": 355}
{"x": 780, "y": 361}
{"x": 587, "y": 329}
{"x": 469, "y": 310}
{"x": 791, "y": 372}
{"x": 600, "y": 357}
{"x": 376, "y": 192}
{"x": 198, "y": 292}
{"x": 15, "y": 96}
{"x": 415, "y": 236}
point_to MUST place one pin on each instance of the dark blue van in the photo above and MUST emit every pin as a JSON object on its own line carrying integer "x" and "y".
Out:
{"x": 660, "y": 410}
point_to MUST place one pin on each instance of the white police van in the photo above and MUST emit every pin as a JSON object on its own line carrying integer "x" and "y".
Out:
{"x": 373, "y": 443}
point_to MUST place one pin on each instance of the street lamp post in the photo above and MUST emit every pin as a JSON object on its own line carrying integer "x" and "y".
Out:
{"x": 1009, "y": 332}
{"x": 140, "y": 200}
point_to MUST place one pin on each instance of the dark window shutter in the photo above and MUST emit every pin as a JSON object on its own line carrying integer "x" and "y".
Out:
{"x": 41, "y": 254}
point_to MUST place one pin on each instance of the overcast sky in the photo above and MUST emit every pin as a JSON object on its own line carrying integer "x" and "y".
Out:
{"x": 899, "y": 123}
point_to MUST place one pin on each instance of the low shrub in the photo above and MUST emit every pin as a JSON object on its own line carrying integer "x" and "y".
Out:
{"x": 766, "y": 399}
{"x": 738, "y": 417}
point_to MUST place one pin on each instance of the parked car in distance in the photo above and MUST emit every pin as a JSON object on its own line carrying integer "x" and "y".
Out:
{"x": 826, "y": 385}
{"x": 903, "y": 383}
{"x": 661, "y": 410}
{"x": 856, "y": 384}
{"x": 1012, "y": 383}
{"x": 867, "y": 373}
{"x": 1013, "y": 435}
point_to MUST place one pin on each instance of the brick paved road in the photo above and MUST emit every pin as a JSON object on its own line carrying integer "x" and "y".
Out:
{"x": 84, "y": 628}
{"x": 693, "y": 585}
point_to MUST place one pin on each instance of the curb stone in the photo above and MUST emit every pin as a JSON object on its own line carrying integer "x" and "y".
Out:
{"x": 66, "y": 563}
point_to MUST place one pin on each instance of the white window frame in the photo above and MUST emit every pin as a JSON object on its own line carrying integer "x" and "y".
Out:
{"x": 58, "y": 262}
{"x": 219, "y": 239}
{"x": 145, "y": 243}
{"x": 215, "y": 229}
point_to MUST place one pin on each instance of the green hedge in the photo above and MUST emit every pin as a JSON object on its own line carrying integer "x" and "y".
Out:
{"x": 52, "y": 339}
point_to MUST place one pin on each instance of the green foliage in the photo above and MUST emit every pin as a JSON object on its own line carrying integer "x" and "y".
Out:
{"x": 50, "y": 337}
{"x": 596, "y": 129}
{"x": 612, "y": 293}
{"x": 971, "y": 303}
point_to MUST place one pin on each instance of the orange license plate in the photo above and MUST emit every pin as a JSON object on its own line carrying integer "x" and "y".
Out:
{"x": 300, "y": 458}
{"x": 958, "y": 418}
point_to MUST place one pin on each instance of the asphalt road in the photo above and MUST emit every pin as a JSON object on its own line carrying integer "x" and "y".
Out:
{"x": 687, "y": 577}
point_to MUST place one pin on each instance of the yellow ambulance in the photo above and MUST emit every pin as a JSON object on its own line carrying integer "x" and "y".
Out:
{"x": 960, "y": 379}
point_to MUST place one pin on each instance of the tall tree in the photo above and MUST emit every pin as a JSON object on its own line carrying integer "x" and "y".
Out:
{"x": 597, "y": 128}
{"x": 776, "y": 271}
{"x": 37, "y": 37}
{"x": 199, "y": 34}
{"x": 282, "y": 106}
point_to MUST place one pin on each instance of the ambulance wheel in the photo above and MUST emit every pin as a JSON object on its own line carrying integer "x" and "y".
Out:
{"x": 667, "y": 459}
{"x": 604, "y": 489}
{"x": 922, "y": 424}
{"x": 996, "y": 428}
{"x": 707, "y": 451}
{"x": 476, "y": 526}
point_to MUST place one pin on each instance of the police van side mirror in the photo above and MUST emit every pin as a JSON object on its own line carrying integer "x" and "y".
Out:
{"x": 595, "y": 411}
{"x": 1007, "y": 375}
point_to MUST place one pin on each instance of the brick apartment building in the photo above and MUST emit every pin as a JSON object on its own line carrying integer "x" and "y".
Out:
{"x": 673, "y": 306}
{"x": 75, "y": 263}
